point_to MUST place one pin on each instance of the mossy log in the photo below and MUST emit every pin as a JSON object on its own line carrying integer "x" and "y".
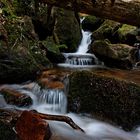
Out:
{"x": 125, "y": 11}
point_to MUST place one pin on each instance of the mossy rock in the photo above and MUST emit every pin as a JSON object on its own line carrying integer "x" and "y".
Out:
{"x": 91, "y": 23}
{"x": 53, "y": 50}
{"x": 106, "y": 31}
{"x": 114, "y": 55}
{"x": 104, "y": 97}
{"x": 127, "y": 34}
{"x": 67, "y": 29}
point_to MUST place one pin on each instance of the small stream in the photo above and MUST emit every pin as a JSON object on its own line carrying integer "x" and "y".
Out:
{"x": 81, "y": 58}
{"x": 55, "y": 102}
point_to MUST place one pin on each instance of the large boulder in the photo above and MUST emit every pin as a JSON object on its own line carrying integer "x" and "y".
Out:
{"x": 91, "y": 23}
{"x": 114, "y": 55}
{"x": 31, "y": 126}
{"x": 127, "y": 34}
{"x": 106, "y": 31}
{"x": 67, "y": 29}
{"x": 53, "y": 50}
{"x": 106, "y": 98}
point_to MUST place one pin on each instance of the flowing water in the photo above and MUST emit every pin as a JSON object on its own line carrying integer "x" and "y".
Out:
{"x": 81, "y": 58}
{"x": 86, "y": 40}
{"x": 55, "y": 102}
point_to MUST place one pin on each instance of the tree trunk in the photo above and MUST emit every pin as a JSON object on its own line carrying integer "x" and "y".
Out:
{"x": 60, "y": 118}
{"x": 125, "y": 11}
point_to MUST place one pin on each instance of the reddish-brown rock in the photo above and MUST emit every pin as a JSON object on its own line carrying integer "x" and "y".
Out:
{"x": 31, "y": 127}
{"x": 51, "y": 84}
{"x": 15, "y": 97}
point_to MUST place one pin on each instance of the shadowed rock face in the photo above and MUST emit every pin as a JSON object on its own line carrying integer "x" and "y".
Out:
{"x": 106, "y": 98}
{"x": 7, "y": 122}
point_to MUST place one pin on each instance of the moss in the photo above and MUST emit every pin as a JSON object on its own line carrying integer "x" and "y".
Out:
{"x": 107, "y": 98}
{"x": 104, "y": 47}
{"x": 67, "y": 29}
{"x": 126, "y": 28}
{"x": 22, "y": 57}
{"x": 127, "y": 34}
{"x": 53, "y": 50}
{"x": 106, "y": 30}
{"x": 50, "y": 45}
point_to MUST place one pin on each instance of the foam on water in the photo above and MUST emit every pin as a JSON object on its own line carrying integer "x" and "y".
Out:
{"x": 55, "y": 102}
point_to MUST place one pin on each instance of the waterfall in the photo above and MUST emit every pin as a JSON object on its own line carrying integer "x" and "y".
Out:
{"x": 81, "y": 58}
{"x": 50, "y": 100}
{"x": 85, "y": 42}
{"x": 54, "y": 101}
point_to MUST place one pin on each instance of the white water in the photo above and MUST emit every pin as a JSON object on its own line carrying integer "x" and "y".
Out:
{"x": 86, "y": 40}
{"x": 81, "y": 58}
{"x": 56, "y": 103}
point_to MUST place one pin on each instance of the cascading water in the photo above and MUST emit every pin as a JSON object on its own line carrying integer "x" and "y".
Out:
{"x": 81, "y": 58}
{"x": 56, "y": 102}
{"x": 47, "y": 100}
{"x": 86, "y": 40}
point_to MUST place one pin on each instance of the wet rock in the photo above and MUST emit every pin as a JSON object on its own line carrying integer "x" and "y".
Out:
{"x": 106, "y": 98}
{"x": 127, "y": 34}
{"x": 53, "y": 50}
{"x": 51, "y": 84}
{"x": 91, "y": 23}
{"x": 14, "y": 97}
{"x": 106, "y": 31}
{"x": 114, "y": 55}
{"x": 66, "y": 29}
{"x": 53, "y": 79}
{"x": 30, "y": 127}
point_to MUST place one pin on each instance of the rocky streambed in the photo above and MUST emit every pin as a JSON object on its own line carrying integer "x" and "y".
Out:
{"x": 111, "y": 96}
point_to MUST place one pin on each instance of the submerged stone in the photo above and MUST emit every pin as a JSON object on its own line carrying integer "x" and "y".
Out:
{"x": 106, "y": 98}
{"x": 14, "y": 97}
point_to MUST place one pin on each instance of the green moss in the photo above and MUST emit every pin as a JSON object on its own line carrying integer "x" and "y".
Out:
{"x": 50, "y": 45}
{"x": 106, "y": 30}
{"x": 127, "y": 34}
{"x": 104, "y": 48}
{"x": 107, "y": 98}
{"x": 126, "y": 29}
{"x": 67, "y": 29}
